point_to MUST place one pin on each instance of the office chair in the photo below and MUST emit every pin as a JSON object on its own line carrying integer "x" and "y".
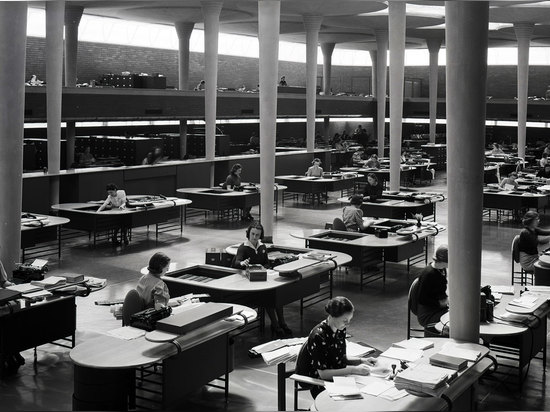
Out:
{"x": 522, "y": 275}
{"x": 133, "y": 303}
{"x": 412, "y": 306}
{"x": 338, "y": 224}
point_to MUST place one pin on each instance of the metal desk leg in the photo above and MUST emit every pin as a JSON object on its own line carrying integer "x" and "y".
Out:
{"x": 58, "y": 242}
{"x": 281, "y": 387}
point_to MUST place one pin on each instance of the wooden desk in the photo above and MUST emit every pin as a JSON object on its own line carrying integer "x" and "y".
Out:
{"x": 221, "y": 200}
{"x": 105, "y": 367}
{"x": 42, "y": 229}
{"x": 382, "y": 174}
{"x": 319, "y": 185}
{"x": 459, "y": 394}
{"x": 367, "y": 250}
{"x": 84, "y": 216}
{"x": 515, "y": 340}
{"x": 495, "y": 198}
{"x": 231, "y": 285}
{"x": 37, "y": 324}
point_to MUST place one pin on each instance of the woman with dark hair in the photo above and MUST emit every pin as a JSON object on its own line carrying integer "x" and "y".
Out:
{"x": 233, "y": 182}
{"x": 323, "y": 354}
{"x": 254, "y": 252}
{"x": 115, "y": 198}
{"x": 151, "y": 287}
{"x": 352, "y": 215}
{"x": 529, "y": 240}
{"x": 373, "y": 188}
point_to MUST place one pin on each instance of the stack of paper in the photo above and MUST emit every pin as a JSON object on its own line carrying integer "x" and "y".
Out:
{"x": 40, "y": 294}
{"x": 49, "y": 282}
{"x": 95, "y": 282}
{"x": 407, "y": 355}
{"x": 277, "y": 344}
{"x": 505, "y": 290}
{"x": 282, "y": 355}
{"x": 459, "y": 351}
{"x": 423, "y": 378}
{"x": 24, "y": 288}
{"x": 343, "y": 388}
{"x": 357, "y": 350}
{"x": 525, "y": 301}
{"x": 540, "y": 289}
{"x": 383, "y": 389}
{"x": 414, "y": 343}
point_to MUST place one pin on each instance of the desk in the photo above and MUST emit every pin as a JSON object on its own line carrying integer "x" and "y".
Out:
{"x": 155, "y": 210}
{"x": 515, "y": 341}
{"x": 367, "y": 250}
{"x": 42, "y": 229}
{"x": 397, "y": 208}
{"x": 458, "y": 394}
{"x": 319, "y": 185}
{"x": 222, "y": 200}
{"x": 37, "y": 324}
{"x": 105, "y": 367}
{"x": 232, "y": 286}
{"x": 382, "y": 174}
{"x": 495, "y": 198}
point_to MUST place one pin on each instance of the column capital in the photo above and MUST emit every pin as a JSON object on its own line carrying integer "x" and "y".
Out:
{"x": 184, "y": 29}
{"x": 211, "y": 7}
{"x": 327, "y": 48}
{"x": 312, "y": 22}
{"x": 381, "y": 36}
{"x": 523, "y": 30}
{"x": 73, "y": 14}
{"x": 434, "y": 44}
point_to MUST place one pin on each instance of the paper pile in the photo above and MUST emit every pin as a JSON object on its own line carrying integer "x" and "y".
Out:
{"x": 422, "y": 378}
{"x": 414, "y": 343}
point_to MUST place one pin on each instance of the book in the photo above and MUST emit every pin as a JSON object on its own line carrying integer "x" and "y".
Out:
{"x": 194, "y": 318}
{"x": 73, "y": 277}
{"x": 49, "y": 281}
{"x": 449, "y": 362}
{"x": 414, "y": 343}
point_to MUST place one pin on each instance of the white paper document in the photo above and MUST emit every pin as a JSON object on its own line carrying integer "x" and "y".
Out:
{"x": 407, "y": 355}
{"x": 127, "y": 333}
{"x": 342, "y": 385}
{"x": 505, "y": 290}
{"x": 377, "y": 387}
{"x": 459, "y": 351}
{"x": 524, "y": 301}
{"x": 414, "y": 343}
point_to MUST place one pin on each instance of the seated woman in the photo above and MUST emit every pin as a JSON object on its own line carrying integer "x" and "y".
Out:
{"x": 529, "y": 240}
{"x": 543, "y": 160}
{"x": 373, "y": 188}
{"x": 373, "y": 162}
{"x": 432, "y": 286}
{"x": 544, "y": 173}
{"x": 254, "y": 252}
{"x": 233, "y": 182}
{"x": 151, "y": 287}
{"x": 323, "y": 355}
{"x": 509, "y": 183}
{"x": 315, "y": 169}
{"x": 352, "y": 215}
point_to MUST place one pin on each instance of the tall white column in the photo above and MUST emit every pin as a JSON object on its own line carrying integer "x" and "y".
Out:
{"x": 55, "y": 16}
{"x": 312, "y": 25}
{"x": 327, "y": 49}
{"x": 373, "y": 69}
{"x": 184, "y": 30}
{"x": 269, "y": 12}
{"x": 523, "y": 31}
{"x": 466, "y": 76}
{"x": 397, "y": 73}
{"x": 434, "y": 45}
{"x": 13, "y": 26}
{"x": 211, "y": 12}
{"x": 381, "y": 79}
{"x": 73, "y": 14}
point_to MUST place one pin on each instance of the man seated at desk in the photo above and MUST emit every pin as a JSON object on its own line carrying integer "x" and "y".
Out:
{"x": 432, "y": 289}
{"x": 254, "y": 252}
{"x": 151, "y": 287}
{"x": 115, "y": 198}
{"x": 373, "y": 188}
{"x": 323, "y": 354}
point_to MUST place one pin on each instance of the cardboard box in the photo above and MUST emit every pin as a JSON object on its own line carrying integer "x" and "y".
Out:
{"x": 194, "y": 318}
{"x": 256, "y": 273}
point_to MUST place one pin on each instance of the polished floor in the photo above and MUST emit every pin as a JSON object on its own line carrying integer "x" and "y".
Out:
{"x": 380, "y": 317}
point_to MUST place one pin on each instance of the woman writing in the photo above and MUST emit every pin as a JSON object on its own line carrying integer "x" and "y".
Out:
{"x": 233, "y": 182}
{"x": 315, "y": 170}
{"x": 323, "y": 354}
{"x": 529, "y": 240}
{"x": 373, "y": 188}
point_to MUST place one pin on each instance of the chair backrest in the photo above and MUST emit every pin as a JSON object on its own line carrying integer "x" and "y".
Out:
{"x": 338, "y": 224}
{"x": 515, "y": 249}
{"x": 133, "y": 303}
{"x": 413, "y": 297}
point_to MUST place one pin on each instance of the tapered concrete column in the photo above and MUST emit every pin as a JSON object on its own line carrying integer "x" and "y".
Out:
{"x": 13, "y": 26}
{"x": 211, "y": 12}
{"x": 381, "y": 79}
{"x": 327, "y": 49}
{"x": 524, "y": 31}
{"x": 269, "y": 12}
{"x": 312, "y": 25}
{"x": 397, "y": 73}
{"x": 73, "y": 14}
{"x": 373, "y": 59}
{"x": 55, "y": 16}
{"x": 326, "y": 129}
{"x": 184, "y": 30}
{"x": 434, "y": 45}
{"x": 466, "y": 75}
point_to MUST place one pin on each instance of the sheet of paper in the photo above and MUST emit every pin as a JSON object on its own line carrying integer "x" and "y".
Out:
{"x": 24, "y": 288}
{"x": 459, "y": 351}
{"x": 378, "y": 387}
{"x": 414, "y": 343}
{"x": 407, "y": 355}
{"x": 39, "y": 263}
{"x": 394, "y": 394}
{"x": 127, "y": 333}
{"x": 342, "y": 385}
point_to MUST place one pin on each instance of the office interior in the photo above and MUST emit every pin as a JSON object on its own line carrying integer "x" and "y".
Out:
{"x": 203, "y": 133}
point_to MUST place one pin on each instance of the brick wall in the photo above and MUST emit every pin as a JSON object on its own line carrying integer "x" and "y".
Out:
{"x": 95, "y": 59}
